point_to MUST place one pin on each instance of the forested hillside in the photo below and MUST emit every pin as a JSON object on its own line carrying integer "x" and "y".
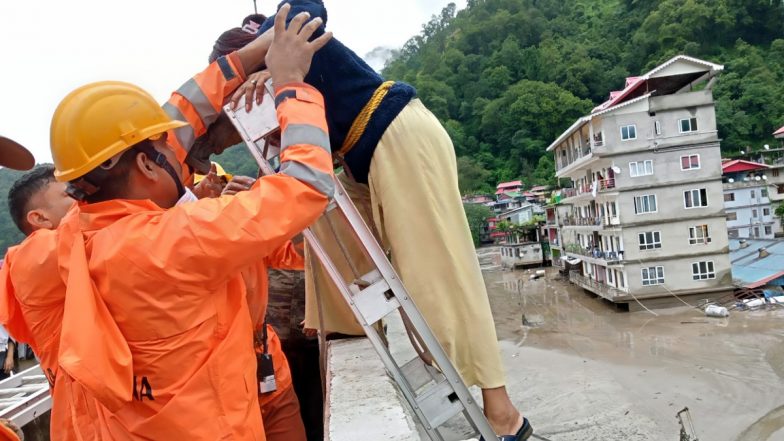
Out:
{"x": 9, "y": 234}
{"x": 507, "y": 76}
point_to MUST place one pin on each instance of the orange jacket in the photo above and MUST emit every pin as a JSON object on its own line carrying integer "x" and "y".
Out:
{"x": 288, "y": 257}
{"x": 155, "y": 324}
{"x": 32, "y": 313}
{"x": 6, "y": 434}
{"x": 200, "y": 100}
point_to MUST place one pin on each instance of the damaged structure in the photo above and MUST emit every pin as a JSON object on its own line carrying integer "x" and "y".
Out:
{"x": 647, "y": 217}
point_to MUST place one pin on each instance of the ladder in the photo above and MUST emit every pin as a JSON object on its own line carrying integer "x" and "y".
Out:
{"x": 430, "y": 383}
{"x": 25, "y": 396}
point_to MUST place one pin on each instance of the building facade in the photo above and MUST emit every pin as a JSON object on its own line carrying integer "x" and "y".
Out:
{"x": 746, "y": 200}
{"x": 647, "y": 215}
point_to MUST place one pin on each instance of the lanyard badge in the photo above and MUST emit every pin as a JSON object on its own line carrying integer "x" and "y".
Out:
{"x": 265, "y": 369}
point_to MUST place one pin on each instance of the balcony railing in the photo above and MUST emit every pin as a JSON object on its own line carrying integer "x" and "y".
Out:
{"x": 584, "y": 151}
{"x": 600, "y": 288}
{"x": 607, "y": 184}
{"x": 594, "y": 252}
{"x": 583, "y": 221}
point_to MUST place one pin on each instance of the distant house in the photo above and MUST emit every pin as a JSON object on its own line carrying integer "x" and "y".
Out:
{"x": 779, "y": 133}
{"x": 477, "y": 199}
{"x": 506, "y": 187}
{"x": 540, "y": 193}
{"x": 521, "y": 215}
{"x": 508, "y": 201}
{"x": 746, "y": 200}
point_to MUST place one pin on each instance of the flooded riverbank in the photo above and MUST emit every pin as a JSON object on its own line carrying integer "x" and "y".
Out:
{"x": 582, "y": 370}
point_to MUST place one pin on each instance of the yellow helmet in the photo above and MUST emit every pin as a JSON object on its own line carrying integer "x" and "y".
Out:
{"x": 100, "y": 120}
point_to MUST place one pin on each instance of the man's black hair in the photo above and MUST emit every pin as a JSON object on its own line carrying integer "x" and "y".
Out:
{"x": 23, "y": 190}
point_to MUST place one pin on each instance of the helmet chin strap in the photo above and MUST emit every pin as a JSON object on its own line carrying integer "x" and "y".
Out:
{"x": 160, "y": 160}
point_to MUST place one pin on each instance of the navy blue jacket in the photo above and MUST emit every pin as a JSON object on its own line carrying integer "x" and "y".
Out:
{"x": 348, "y": 83}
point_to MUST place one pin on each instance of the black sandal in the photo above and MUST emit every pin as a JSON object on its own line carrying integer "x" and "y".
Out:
{"x": 523, "y": 434}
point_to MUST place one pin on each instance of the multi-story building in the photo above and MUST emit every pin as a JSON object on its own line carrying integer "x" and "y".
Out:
{"x": 648, "y": 215}
{"x": 555, "y": 214}
{"x": 746, "y": 201}
{"x": 774, "y": 159}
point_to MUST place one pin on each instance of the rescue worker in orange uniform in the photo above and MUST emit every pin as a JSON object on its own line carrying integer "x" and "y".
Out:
{"x": 14, "y": 156}
{"x": 279, "y": 404}
{"x": 154, "y": 302}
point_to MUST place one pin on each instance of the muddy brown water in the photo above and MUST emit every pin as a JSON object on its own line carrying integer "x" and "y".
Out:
{"x": 580, "y": 369}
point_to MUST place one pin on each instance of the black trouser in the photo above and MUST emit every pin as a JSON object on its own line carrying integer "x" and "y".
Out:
{"x": 3, "y": 373}
{"x": 303, "y": 356}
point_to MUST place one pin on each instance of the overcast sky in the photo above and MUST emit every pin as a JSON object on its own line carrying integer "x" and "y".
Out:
{"x": 52, "y": 47}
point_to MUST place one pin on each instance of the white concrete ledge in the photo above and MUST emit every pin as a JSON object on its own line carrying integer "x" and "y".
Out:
{"x": 363, "y": 403}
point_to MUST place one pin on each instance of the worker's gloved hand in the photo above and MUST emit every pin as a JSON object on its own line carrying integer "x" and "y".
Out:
{"x": 253, "y": 87}
{"x": 238, "y": 184}
{"x": 290, "y": 54}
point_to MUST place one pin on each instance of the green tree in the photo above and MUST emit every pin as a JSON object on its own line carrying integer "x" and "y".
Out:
{"x": 780, "y": 214}
{"x": 473, "y": 178}
{"x": 507, "y": 76}
{"x": 477, "y": 216}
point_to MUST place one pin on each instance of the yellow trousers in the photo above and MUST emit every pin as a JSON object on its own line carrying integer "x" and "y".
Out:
{"x": 414, "y": 204}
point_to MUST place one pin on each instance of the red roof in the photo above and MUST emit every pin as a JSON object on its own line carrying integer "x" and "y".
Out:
{"x": 528, "y": 195}
{"x": 510, "y": 184}
{"x": 779, "y": 132}
{"x": 739, "y": 165}
{"x": 630, "y": 81}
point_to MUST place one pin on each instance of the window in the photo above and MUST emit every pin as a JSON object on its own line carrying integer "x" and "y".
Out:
{"x": 756, "y": 231}
{"x": 695, "y": 198}
{"x": 766, "y": 211}
{"x": 764, "y": 192}
{"x": 641, "y": 168}
{"x": 688, "y": 125}
{"x": 621, "y": 280}
{"x": 653, "y": 276}
{"x": 645, "y": 204}
{"x": 598, "y": 139}
{"x": 733, "y": 234}
{"x": 775, "y": 173}
{"x": 699, "y": 235}
{"x": 703, "y": 270}
{"x": 731, "y": 216}
{"x": 610, "y": 276}
{"x": 753, "y": 194}
{"x": 754, "y": 212}
{"x": 628, "y": 132}
{"x": 657, "y": 127}
{"x": 768, "y": 230}
{"x": 729, "y": 197}
{"x": 650, "y": 240}
{"x": 690, "y": 162}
